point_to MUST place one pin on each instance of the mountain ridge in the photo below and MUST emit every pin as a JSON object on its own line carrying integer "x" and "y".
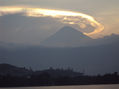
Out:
{"x": 66, "y": 37}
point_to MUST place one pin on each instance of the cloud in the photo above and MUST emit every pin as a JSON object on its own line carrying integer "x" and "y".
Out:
{"x": 19, "y": 20}
{"x": 68, "y": 17}
{"x": 15, "y": 28}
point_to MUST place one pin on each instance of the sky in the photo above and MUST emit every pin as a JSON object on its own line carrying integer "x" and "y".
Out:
{"x": 29, "y": 22}
{"x": 23, "y": 29}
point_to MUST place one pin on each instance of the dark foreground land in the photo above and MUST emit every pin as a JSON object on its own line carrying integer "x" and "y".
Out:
{"x": 11, "y": 76}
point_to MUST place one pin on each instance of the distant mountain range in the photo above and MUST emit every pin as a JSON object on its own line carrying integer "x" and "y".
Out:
{"x": 70, "y": 37}
{"x": 92, "y": 59}
{"x": 66, "y": 49}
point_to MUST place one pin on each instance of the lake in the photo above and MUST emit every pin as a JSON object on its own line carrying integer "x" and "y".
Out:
{"x": 115, "y": 86}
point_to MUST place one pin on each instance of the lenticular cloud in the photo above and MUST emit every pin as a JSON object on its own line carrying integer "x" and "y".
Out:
{"x": 68, "y": 17}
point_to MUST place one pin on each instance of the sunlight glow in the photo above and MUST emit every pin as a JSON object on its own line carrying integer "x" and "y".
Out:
{"x": 68, "y": 17}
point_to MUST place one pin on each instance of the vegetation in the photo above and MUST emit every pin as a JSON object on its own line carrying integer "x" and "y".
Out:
{"x": 51, "y": 77}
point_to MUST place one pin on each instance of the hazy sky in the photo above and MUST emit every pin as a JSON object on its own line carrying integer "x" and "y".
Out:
{"x": 104, "y": 11}
{"x": 30, "y": 30}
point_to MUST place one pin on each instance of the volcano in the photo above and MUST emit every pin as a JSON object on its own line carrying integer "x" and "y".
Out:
{"x": 66, "y": 37}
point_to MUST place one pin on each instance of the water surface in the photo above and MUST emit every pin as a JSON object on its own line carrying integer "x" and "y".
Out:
{"x": 115, "y": 86}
